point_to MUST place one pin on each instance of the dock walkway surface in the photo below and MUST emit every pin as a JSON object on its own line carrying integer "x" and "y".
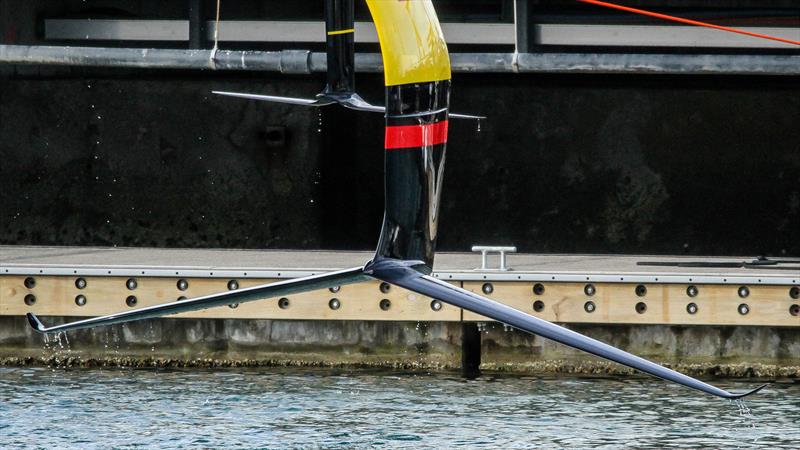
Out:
{"x": 221, "y": 263}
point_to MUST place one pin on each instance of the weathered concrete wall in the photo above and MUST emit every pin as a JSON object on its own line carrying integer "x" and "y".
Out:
{"x": 128, "y": 162}
{"x": 696, "y": 165}
{"x": 401, "y": 344}
{"x": 725, "y": 351}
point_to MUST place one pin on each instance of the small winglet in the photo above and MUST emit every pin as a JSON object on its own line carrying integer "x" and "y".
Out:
{"x": 466, "y": 116}
{"x": 350, "y": 101}
{"x": 272, "y": 98}
{"x": 743, "y": 395}
{"x": 36, "y": 324}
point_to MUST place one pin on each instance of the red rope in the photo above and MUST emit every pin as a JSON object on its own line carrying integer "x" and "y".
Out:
{"x": 688, "y": 21}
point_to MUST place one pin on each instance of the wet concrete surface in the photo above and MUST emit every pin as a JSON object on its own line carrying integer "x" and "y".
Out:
{"x": 701, "y": 351}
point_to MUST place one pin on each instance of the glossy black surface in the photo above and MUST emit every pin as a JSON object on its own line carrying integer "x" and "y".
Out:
{"x": 407, "y": 275}
{"x": 413, "y": 176}
{"x": 340, "y": 51}
{"x": 255, "y": 293}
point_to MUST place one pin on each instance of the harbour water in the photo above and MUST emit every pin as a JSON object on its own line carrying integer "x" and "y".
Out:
{"x": 307, "y": 408}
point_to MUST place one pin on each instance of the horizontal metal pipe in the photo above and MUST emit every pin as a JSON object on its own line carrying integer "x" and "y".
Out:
{"x": 143, "y": 58}
{"x": 636, "y": 63}
{"x": 304, "y": 61}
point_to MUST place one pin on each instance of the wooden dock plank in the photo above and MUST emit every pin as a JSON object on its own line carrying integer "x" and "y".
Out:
{"x": 663, "y": 304}
{"x": 55, "y": 296}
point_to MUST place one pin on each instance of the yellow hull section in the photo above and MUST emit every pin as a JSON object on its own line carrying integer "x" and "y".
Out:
{"x": 412, "y": 43}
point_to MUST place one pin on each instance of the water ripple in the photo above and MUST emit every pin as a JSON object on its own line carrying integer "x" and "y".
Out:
{"x": 283, "y": 408}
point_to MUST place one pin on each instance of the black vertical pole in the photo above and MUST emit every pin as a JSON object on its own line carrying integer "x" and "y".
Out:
{"x": 470, "y": 350}
{"x": 339, "y": 26}
{"x": 522, "y": 25}
{"x": 339, "y": 158}
{"x": 197, "y": 24}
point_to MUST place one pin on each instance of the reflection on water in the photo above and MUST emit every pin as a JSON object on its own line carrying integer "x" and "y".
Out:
{"x": 279, "y": 408}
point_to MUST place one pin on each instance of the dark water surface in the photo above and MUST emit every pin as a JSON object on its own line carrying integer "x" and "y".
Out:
{"x": 300, "y": 408}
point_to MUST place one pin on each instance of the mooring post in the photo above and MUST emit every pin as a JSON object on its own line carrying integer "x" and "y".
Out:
{"x": 470, "y": 350}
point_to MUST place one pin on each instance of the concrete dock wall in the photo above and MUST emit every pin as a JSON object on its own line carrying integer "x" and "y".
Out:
{"x": 590, "y": 163}
{"x": 702, "y": 351}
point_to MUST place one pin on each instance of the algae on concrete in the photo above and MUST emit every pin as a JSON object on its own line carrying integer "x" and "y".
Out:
{"x": 759, "y": 352}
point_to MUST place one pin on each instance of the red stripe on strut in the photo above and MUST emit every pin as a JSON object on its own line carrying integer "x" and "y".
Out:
{"x": 408, "y": 136}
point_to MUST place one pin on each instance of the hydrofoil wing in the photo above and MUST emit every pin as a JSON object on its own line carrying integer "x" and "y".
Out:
{"x": 401, "y": 274}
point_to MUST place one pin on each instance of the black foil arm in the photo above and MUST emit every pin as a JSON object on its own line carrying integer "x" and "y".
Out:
{"x": 280, "y": 288}
{"x": 401, "y": 273}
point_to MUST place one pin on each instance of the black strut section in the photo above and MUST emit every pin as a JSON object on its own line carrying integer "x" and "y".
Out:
{"x": 339, "y": 21}
{"x": 413, "y": 169}
{"x": 408, "y": 99}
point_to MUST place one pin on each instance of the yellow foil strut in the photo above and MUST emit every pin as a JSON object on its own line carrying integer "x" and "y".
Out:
{"x": 412, "y": 43}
